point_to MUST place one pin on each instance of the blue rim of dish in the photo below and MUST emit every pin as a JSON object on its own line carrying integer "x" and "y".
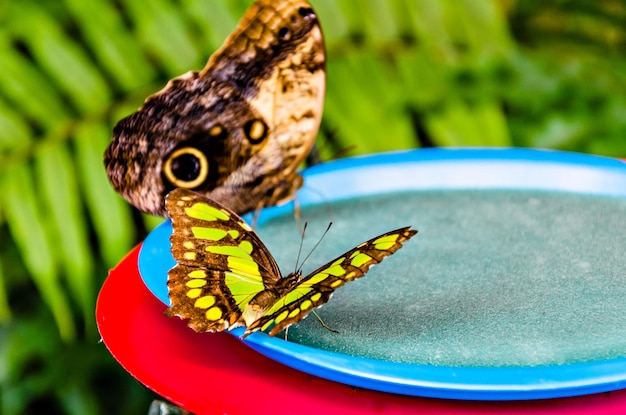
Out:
{"x": 430, "y": 169}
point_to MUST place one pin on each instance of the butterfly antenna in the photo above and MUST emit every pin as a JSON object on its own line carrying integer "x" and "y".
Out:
{"x": 316, "y": 245}
{"x": 300, "y": 249}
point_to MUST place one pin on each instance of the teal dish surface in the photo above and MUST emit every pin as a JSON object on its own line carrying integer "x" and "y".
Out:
{"x": 512, "y": 289}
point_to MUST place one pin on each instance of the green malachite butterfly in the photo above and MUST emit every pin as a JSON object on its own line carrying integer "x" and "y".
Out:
{"x": 225, "y": 277}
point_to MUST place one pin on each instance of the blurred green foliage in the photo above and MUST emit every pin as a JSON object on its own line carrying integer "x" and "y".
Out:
{"x": 401, "y": 74}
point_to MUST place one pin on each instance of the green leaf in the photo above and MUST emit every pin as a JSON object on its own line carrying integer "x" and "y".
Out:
{"x": 379, "y": 20}
{"x": 61, "y": 57}
{"x": 214, "y": 20}
{"x": 110, "y": 214}
{"x": 111, "y": 42}
{"x": 491, "y": 122}
{"x": 165, "y": 34}
{"x": 25, "y": 85}
{"x": 13, "y": 130}
{"x": 5, "y": 311}
{"x": 428, "y": 25}
{"x": 372, "y": 118}
{"x": 58, "y": 183}
{"x": 33, "y": 237}
{"x": 78, "y": 401}
{"x": 332, "y": 20}
{"x": 425, "y": 80}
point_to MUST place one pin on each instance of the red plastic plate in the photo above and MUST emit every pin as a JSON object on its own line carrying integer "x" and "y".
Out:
{"x": 217, "y": 374}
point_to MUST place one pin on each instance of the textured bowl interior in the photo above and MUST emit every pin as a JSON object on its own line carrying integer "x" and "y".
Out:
{"x": 512, "y": 289}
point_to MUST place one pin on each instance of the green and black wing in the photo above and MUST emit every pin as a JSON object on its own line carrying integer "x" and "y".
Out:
{"x": 317, "y": 288}
{"x": 221, "y": 263}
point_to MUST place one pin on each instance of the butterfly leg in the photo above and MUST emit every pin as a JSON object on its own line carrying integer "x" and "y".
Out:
{"x": 297, "y": 216}
{"x": 326, "y": 326}
{"x": 257, "y": 212}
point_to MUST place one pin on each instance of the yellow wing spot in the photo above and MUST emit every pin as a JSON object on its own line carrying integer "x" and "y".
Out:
{"x": 189, "y": 255}
{"x": 196, "y": 283}
{"x": 228, "y": 250}
{"x": 245, "y": 226}
{"x": 306, "y": 304}
{"x": 257, "y": 130}
{"x": 244, "y": 265}
{"x": 387, "y": 238}
{"x": 197, "y": 274}
{"x": 335, "y": 270}
{"x": 246, "y": 246}
{"x": 336, "y": 283}
{"x": 294, "y": 312}
{"x": 194, "y": 293}
{"x": 281, "y": 316}
{"x": 315, "y": 297}
{"x": 215, "y": 130}
{"x": 267, "y": 325}
{"x": 338, "y": 261}
{"x": 386, "y": 242}
{"x": 206, "y": 212}
{"x": 319, "y": 277}
{"x": 234, "y": 233}
{"x": 205, "y": 302}
{"x": 360, "y": 259}
{"x": 210, "y": 234}
{"x": 185, "y": 198}
{"x": 384, "y": 246}
{"x": 214, "y": 313}
{"x": 188, "y": 245}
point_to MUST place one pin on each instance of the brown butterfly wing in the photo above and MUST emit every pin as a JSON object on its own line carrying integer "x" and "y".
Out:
{"x": 237, "y": 130}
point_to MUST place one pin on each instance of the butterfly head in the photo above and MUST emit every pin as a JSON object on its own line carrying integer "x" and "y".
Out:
{"x": 293, "y": 278}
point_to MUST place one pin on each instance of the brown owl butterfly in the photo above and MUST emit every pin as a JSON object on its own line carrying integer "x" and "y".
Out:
{"x": 237, "y": 130}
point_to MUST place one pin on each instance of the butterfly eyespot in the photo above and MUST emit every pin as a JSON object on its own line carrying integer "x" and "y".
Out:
{"x": 284, "y": 34}
{"x": 186, "y": 167}
{"x": 256, "y": 131}
{"x": 216, "y": 130}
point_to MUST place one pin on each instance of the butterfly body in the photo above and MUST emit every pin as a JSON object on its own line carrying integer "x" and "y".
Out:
{"x": 225, "y": 277}
{"x": 237, "y": 130}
